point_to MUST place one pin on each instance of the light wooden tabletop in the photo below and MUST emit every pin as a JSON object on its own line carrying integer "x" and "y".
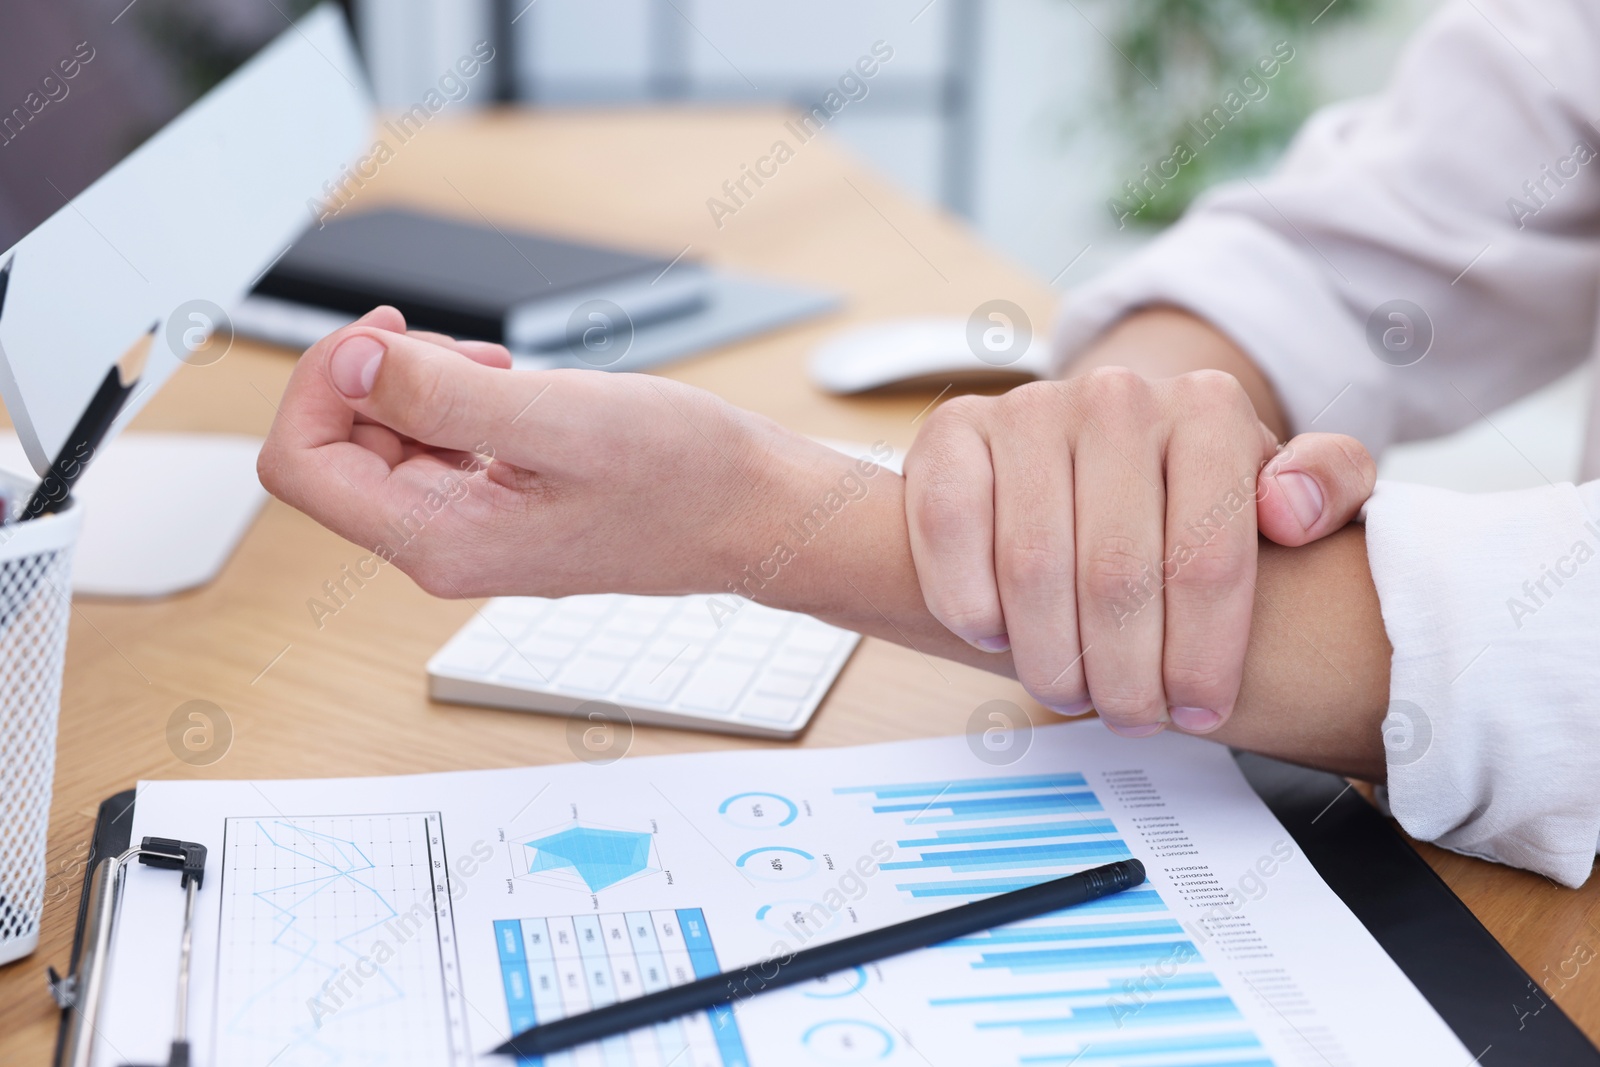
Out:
{"x": 351, "y": 697}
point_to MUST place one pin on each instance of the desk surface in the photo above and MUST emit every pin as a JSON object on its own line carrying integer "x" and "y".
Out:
{"x": 351, "y": 697}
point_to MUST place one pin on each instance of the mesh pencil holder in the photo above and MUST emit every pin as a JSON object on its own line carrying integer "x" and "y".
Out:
{"x": 35, "y": 607}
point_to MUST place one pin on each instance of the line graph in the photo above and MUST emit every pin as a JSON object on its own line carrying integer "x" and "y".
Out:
{"x": 337, "y": 943}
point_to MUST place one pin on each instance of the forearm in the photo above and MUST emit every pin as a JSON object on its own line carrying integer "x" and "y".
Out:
{"x": 1163, "y": 342}
{"x": 1316, "y": 670}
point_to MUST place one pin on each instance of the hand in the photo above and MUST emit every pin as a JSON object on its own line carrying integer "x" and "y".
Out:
{"x": 476, "y": 479}
{"x": 1103, "y": 528}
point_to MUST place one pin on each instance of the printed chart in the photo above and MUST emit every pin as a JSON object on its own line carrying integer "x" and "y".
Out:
{"x": 1117, "y": 981}
{"x": 580, "y": 856}
{"x": 561, "y": 965}
{"x": 337, "y": 936}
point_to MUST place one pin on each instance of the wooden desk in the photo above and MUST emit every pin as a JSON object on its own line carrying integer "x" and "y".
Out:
{"x": 351, "y": 697}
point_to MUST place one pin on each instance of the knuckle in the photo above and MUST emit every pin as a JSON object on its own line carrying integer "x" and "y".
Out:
{"x": 1129, "y": 701}
{"x": 269, "y": 469}
{"x": 942, "y": 517}
{"x": 1036, "y": 555}
{"x": 1033, "y": 399}
{"x": 1114, "y": 567}
{"x": 1359, "y": 459}
{"x": 1196, "y": 675}
{"x": 965, "y": 613}
{"x": 1052, "y": 689}
{"x": 1212, "y": 390}
{"x": 437, "y": 574}
{"x": 1119, "y": 387}
{"x": 1213, "y": 569}
{"x": 948, "y": 422}
{"x": 966, "y": 409}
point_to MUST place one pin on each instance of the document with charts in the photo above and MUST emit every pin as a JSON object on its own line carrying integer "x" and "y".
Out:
{"x": 421, "y": 920}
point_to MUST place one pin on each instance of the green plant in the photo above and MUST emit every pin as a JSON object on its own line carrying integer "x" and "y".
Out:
{"x": 1190, "y": 98}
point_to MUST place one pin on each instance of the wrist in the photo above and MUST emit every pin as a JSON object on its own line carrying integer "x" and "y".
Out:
{"x": 798, "y": 520}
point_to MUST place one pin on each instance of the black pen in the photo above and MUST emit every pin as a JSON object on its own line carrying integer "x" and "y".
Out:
{"x": 807, "y": 964}
{"x": 56, "y": 486}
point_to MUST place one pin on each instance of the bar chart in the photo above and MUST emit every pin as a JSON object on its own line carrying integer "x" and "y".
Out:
{"x": 1114, "y": 982}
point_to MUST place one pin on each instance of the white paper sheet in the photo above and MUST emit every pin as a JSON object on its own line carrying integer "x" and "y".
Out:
{"x": 419, "y": 920}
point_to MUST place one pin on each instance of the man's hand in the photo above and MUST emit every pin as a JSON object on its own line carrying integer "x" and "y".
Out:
{"x": 624, "y": 483}
{"x": 476, "y": 479}
{"x": 1103, "y": 528}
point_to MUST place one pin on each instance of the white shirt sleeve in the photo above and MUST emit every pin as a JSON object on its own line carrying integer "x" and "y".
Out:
{"x": 1492, "y": 604}
{"x": 1470, "y": 188}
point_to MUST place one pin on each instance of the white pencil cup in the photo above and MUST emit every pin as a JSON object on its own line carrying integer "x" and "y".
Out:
{"x": 35, "y": 607}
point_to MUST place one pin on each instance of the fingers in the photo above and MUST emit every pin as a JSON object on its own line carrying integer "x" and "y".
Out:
{"x": 323, "y": 455}
{"x": 426, "y": 392}
{"x": 1314, "y": 487}
{"x": 380, "y": 440}
{"x": 950, "y": 517}
{"x": 488, "y": 353}
{"x": 1034, "y": 538}
{"x": 383, "y": 317}
{"x": 1120, "y": 509}
{"x": 1208, "y": 571}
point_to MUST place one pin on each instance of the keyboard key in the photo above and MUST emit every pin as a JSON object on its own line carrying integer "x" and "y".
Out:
{"x": 627, "y": 623}
{"x": 763, "y": 627}
{"x": 784, "y": 684}
{"x": 796, "y": 662}
{"x": 592, "y": 674}
{"x": 743, "y": 648}
{"x": 549, "y": 646}
{"x": 716, "y": 686}
{"x": 692, "y": 628}
{"x": 770, "y": 709}
{"x": 520, "y": 668}
{"x": 655, "y": 681}
{"x": 617, "y": 646}
{"x": 672, "y": 649}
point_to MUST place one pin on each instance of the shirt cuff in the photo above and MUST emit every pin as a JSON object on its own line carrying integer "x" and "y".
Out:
{"x": 1492, "y": 604}
{"x": 1269, "y": 297}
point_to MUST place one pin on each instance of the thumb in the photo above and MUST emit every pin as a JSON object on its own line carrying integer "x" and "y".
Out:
{"x": 422, "y": 390}
{"x": 1312, "y": 487}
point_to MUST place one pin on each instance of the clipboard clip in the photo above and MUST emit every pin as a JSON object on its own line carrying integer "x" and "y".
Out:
{"x": 80, "y": 994}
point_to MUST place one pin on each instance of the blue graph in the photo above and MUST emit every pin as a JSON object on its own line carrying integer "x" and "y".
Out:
{"x": 596, "y": 856}
{"x": 777, "y": 863}
{"x": 338, "y": 943}
{"x": 1116, "y": 981}
{"x": 758, "y": 811}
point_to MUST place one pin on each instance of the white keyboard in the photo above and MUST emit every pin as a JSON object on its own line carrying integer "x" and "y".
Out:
{"x": 663, "y": 660}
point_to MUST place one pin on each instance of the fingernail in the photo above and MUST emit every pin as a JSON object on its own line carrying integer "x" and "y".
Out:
{"x": 1077, "y": 708}
{"x": 1137, "y": 731}
{"x": 1195, "y": 720}
{"x": 354, "y": 365}
{"x": 1304, "y": 496}
{"x": 994, "y": 644}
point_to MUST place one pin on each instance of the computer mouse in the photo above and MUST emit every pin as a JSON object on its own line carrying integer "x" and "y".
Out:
{"x": 922, "y": 353}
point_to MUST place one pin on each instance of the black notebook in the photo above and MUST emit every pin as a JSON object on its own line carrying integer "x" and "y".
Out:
{"x": 471, "y": 280}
